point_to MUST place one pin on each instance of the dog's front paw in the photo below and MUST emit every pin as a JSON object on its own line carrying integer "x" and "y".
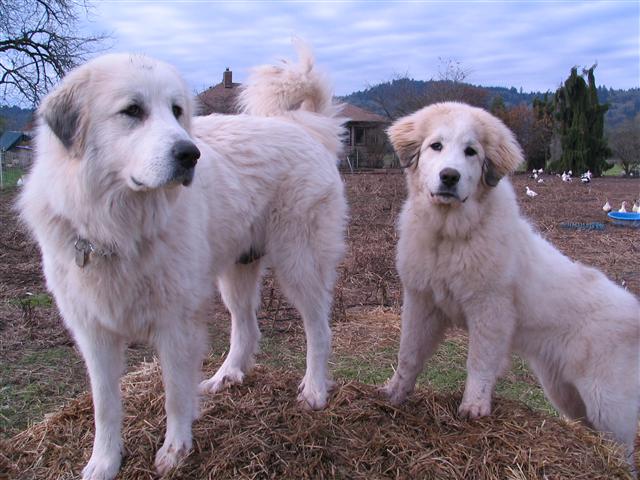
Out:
{"x": 313, "y": 395}
{"x": 171, "y": 453}
{"x": 102, "y": 466}
{"x": 476, "y": 409}
{"x": 394, "y": 391}
{"x": 224, "y": 377}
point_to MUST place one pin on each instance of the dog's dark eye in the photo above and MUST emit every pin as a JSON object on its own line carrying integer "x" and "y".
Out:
{"x": 469, "y": 152}
{"x": 437, "y": 146}
{"x": 177, "y": 111}
{"x": 134, "y": 110}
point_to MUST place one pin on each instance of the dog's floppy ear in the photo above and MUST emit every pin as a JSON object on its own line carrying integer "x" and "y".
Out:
{"x": 489, "y": 174}
{"x": 404, "y": 140}
{"x": 64, "y": 111}
{"x": 502, "y": 151}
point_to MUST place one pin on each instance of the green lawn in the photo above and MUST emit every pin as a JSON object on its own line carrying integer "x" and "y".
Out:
{"x": 614, "y": 171}
{"x": 36, "y": 383}
{"x": 445, "y": 371}
{"x": 10, "y": 176}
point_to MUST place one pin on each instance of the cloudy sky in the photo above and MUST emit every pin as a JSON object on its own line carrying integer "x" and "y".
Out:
{"x": 532, "y": 45}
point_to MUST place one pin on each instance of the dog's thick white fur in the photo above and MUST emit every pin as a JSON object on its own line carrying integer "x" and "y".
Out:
{"x": 467, "y": 258}
{"x": 116, "y": 148}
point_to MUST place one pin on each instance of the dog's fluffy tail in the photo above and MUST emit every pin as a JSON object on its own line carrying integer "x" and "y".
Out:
{"x": 297, "y": 91}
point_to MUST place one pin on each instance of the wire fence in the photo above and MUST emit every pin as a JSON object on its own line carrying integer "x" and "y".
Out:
{"x": 13, "y": 166}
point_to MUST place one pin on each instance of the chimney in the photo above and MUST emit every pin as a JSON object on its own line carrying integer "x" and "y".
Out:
{"x": 227, "y": 78}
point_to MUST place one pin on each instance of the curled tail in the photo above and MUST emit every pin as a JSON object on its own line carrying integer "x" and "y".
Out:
{"x": 297, "y": 91}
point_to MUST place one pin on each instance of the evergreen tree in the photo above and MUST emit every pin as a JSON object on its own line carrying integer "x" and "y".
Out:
{"x": 580, "y": 124}
{"x": 596, "y": 142}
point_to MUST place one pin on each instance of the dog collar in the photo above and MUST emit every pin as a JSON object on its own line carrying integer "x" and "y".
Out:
{"x": 85, "y": 249}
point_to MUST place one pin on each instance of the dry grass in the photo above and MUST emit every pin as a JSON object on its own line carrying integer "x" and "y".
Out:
{"x": 257, "y": 431}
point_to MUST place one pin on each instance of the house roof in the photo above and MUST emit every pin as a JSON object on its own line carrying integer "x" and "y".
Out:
{"x": 357, "y": 114}
{"x": 10, "y": 139}
{"x": 219, "y": 99}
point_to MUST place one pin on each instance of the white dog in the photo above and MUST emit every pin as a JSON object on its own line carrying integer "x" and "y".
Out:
{"x": 467, "y": 258}
{"x": 134, "y": 235}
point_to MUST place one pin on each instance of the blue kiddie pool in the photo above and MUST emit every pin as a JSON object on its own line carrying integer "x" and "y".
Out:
{"x": 626, "y": 219}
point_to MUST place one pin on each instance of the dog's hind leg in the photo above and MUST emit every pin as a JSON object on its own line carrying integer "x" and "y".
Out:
{"x": 103, "y": 353}
{"x": 307, "y": 277}
{"x": 305, "y": 250}
{"x": 240, "y": 290}
{"x": 423, "y": 327}
{"x": 562, "y": 394}
{"x": 181, "y": 349}
{"x": 605, "y": 402}
{"x": 612, "y": 407}
{"x": 311, "y": 294}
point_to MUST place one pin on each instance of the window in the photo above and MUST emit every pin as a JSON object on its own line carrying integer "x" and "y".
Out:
{"x": 358, "y": 136}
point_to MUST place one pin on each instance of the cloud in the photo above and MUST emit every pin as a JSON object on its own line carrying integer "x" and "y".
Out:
{"x": 528, "y": 44}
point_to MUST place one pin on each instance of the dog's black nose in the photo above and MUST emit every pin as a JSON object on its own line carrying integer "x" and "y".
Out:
{"x": 449, "y": 176}
{"x": 185, "y": 153}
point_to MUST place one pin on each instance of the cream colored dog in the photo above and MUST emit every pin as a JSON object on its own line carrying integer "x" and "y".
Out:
{"x": 467, "y": 258}
{"x": 134, "y": 235}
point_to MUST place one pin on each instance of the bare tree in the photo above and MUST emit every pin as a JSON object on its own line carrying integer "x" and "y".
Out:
{"x": 624, "y": 142}
{"x": 533, "y": 127}
{"x": 401, "y": 95}
{"x": 452, "y": 70}
{"x": 38, "y": 45}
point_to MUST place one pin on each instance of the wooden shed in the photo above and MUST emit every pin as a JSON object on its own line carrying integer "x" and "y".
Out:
{"x": 367, "y": 142}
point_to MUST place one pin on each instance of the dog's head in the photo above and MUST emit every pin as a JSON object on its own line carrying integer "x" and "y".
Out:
{"x": 452, "y": 151}
{"x": 128, "y": 116}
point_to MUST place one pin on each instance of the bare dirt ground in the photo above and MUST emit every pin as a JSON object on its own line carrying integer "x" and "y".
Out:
{"x": 42, "y": 370}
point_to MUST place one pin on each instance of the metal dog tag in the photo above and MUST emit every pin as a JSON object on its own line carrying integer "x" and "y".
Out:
{"x": 82, "y": 252}
{"x": 81, "y": 258}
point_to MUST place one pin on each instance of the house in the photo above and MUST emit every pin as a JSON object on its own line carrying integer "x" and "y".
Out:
{"x": 13, "y": 140}
{"x": 366, "y": 145}
{"x": 220, "y": 98}
{"x": 15, "y": 150}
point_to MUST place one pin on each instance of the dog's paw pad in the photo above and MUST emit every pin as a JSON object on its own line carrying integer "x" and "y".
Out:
{"x": 395, "y": 391}
{"x": 221, "y": 380}
{"x": 313, "y": 396}
{"x": 395, "y": 396}
{"x": 474, "y": 410}
{"x": 101, "y": 467}
{"x": 170, "y": 455}
{"x": 314, "y": 401}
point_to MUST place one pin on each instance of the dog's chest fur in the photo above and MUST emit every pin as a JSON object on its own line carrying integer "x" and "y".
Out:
{"x": 446, "y": 267}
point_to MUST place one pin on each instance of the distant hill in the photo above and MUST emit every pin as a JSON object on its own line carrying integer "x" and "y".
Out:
{"x": 623, "y": 104}
{"x": 14, "y": 118}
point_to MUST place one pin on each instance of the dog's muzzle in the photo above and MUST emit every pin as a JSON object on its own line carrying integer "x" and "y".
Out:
{"x": 186, "y": 155}
{"x": 448, "y": 189}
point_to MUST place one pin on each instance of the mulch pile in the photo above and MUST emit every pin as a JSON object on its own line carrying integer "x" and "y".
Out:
{"x": 257, "y": 431}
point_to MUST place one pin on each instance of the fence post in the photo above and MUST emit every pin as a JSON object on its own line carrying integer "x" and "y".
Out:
{"x": 1, "y": 168}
